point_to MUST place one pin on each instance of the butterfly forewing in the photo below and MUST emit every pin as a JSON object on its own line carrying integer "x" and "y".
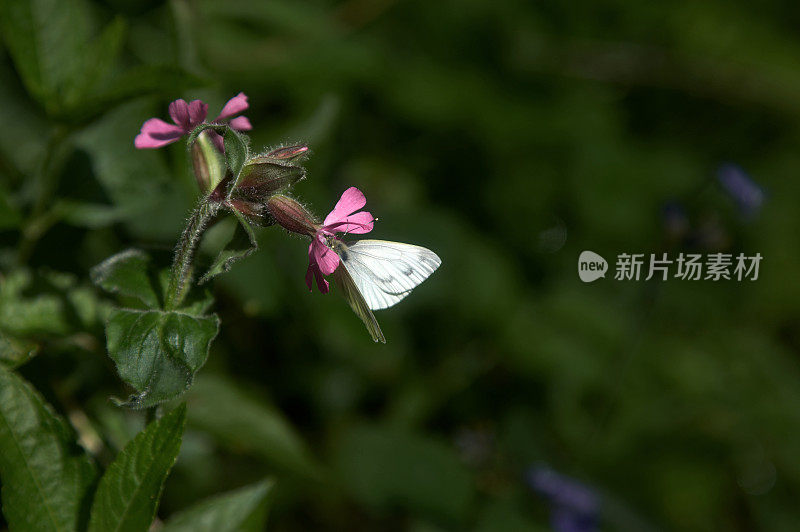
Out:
{"x": 386, "y": 272}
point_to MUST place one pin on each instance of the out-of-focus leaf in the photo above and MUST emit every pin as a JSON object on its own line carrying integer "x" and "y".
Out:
{"x": 15, "y": 352}
{"x": 99, "y": 58}
{"x": 158, "y": 352}
{"x": 47, "y": 39}
{"x": 23, "y": 316}
{"x": 126, "y": 274}
{"x": 243, "y": 243}
{"x": 9, "y": 215}
{"x": 91, "y": 215}
{"x": 242, "y": 510}
{"x": 128, "y": 494}
{"x": 141, "y": 80}
{"x": 46, "y": 477}
{"x": 21, "y": 146}
{"x": 136, "y": 181}
{"x": 382, "y": 467}
{"x": 235, "y": 418}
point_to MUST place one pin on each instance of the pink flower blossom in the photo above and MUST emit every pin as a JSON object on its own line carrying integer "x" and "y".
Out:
{"x": 187, "y": 116}
{"x": 322, "y": 259}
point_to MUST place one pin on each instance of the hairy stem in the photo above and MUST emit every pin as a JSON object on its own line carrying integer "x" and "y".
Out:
{"x": 180, "y": 278}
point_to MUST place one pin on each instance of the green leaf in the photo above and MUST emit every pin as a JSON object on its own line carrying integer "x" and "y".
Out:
{"x": 241, "y": 421}
{"x": 158, "y": 352}
{"x": 386, "y": 466}
{"x": 243, "y": 243}
{"x": 126, "y": 274}
{"x": 128, "y": 493}
{"x": 46, "y": 39}
{"x": 15, "y": 352}
{"x": 24, "y": 316}
{"x": 98, "y": 60}
{"x": 85, "y": 214}
{"x": 137, "y": 182}
{"x": 46, "y": 477}
{"x": 235, "y": 153}
{"x": 242, "y": 510}
{"x": 142, "y": 80}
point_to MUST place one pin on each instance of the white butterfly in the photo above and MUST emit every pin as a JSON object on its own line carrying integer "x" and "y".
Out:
{"x": 377, "y": 274}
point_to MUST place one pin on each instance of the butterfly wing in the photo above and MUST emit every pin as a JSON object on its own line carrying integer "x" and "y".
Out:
{"x": 344, "y": 282}
{"x": 386, "y": 272}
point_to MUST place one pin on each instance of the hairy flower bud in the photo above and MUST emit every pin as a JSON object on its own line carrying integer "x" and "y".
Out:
{"x": 208, "y": 164}
{"x": 287, "y": 153}
{"x": 263, "y": 176}
{"x": 291, "y": 215}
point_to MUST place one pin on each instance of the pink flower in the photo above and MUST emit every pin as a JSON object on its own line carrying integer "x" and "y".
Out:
{"x": 187, "y": 116}
{"x": 322, "y": 259}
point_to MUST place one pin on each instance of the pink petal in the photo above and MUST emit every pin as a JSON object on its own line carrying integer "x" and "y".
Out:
{"x": 358, "y": 224}
{"x": 156, "y": 133}
{"x": 235, "y": 105}
{"x": 179, "y": 111}
{"x": 197, "y": 113}
{"x": 314, "y": 273}
{"x": 352, "y": 199}
{"x": 217, "y": 139}
{"x": 241, "y": 123}
{"x": 325, "y": 257}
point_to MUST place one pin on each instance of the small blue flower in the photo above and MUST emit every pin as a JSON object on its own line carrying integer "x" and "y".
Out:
{"x": 575, "y": 507}
{"x": 748, "y": 195}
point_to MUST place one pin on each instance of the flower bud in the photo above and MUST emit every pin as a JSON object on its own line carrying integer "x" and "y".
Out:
{"x": 253, "y": 211}
{"x": 291, "y": 215}
{"x": 208, "y": 164}
{"x": 287, "y": 153}
{"x": 262, "y": 177}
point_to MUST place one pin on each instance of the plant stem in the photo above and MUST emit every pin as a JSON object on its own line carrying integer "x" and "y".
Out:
{"x": 181, "y": 274}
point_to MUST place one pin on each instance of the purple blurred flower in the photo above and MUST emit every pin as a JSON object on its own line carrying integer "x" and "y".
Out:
{"x": 575, "y": 507}
{"x": 748, "y": 195}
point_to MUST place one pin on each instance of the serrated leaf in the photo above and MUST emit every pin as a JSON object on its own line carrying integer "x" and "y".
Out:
{"x": 128, "y": 494}
{"x": 46, "y": 477}
{"x": 126, "y": 274}
{"x": 242, "y": 510}
{"x": 242, "y": 421}
{"x": 158, "y": 352}
{"x": 243, "y": 243}
{"x": 235, "y": 153}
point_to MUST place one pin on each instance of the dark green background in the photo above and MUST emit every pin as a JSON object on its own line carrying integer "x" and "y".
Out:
{"x": 488, "y": 132}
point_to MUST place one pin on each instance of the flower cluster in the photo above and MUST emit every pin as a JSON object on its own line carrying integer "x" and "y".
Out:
{"x": 255, "y": 188}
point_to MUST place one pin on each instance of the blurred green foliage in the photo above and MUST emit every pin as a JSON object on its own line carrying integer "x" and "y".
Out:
{"x": 508, "y": 137}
